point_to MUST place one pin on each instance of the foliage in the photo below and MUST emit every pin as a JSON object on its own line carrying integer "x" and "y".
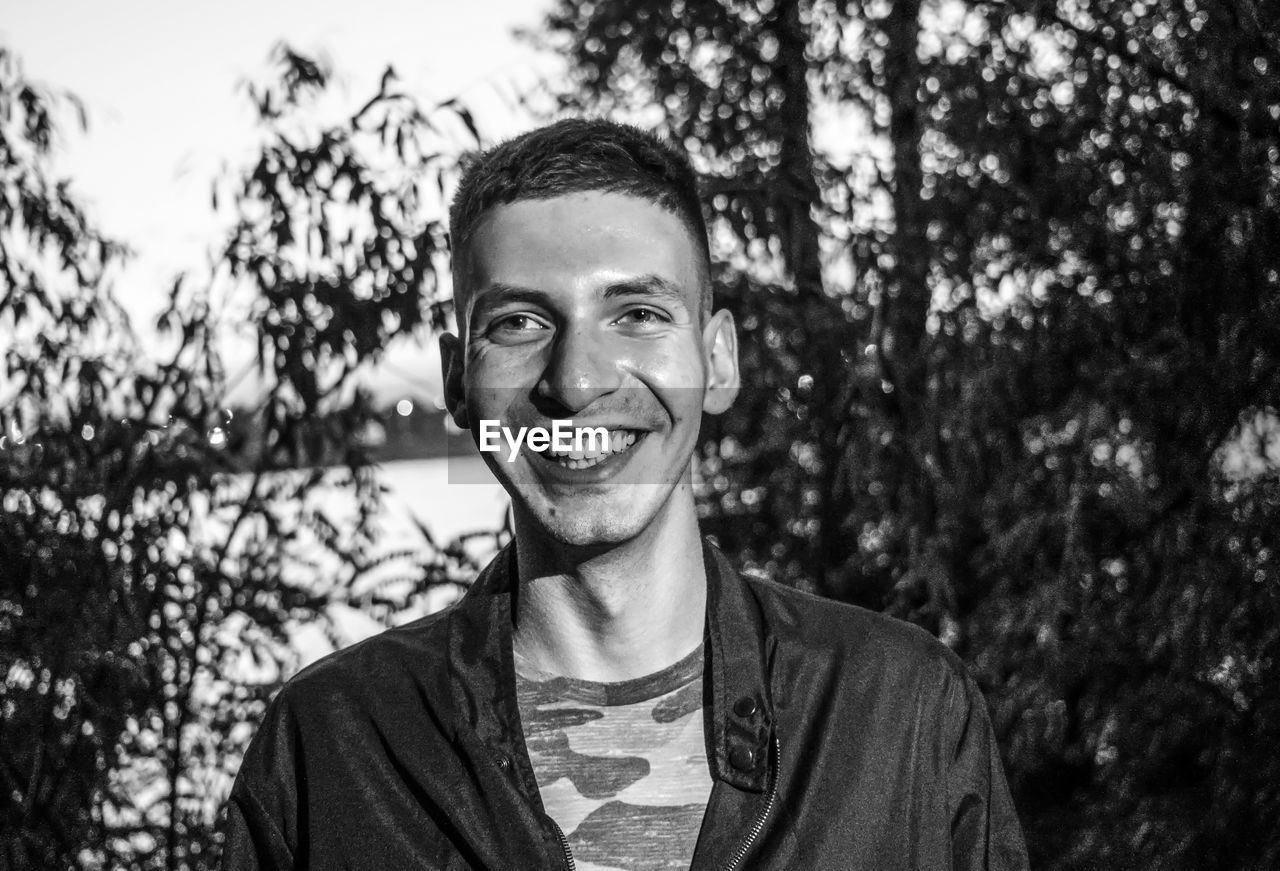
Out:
{"x": 150, "y": 566}
{"x": 1010, "y": 304}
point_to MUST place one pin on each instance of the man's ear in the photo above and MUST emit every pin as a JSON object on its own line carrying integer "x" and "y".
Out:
{"x": 720, "y": 349}
{"x": 452, "y": 361}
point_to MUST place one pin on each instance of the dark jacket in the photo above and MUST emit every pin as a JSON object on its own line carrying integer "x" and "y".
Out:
{"x": 838, "y": 739}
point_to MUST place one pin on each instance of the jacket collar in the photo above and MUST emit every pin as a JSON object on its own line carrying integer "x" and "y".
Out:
{"x": 740, "y": 719}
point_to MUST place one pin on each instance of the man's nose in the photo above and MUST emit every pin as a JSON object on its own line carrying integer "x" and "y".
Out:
{"x": 582, "y": 368}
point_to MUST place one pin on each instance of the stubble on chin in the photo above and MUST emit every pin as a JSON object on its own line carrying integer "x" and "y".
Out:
{"x": 591, "y": 521}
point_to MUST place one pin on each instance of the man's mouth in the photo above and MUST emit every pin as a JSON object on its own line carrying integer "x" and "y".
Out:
{"x": 619, "y": 442}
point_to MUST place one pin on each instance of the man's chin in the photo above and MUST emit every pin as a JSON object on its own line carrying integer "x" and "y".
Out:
{"x": 585, "y": 537}
{"x": 592, "y": 523}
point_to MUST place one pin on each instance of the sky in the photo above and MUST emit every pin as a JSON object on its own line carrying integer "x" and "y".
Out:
{"x": 160, "y": 81}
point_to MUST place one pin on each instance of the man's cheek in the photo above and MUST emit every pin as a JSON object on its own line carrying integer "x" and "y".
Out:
{"x": 671, "y": 368}
{"x": 492, "y": 400}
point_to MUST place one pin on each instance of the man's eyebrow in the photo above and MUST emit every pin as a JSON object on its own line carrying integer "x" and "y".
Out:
{"x": 646, "y": 285}
{"x": 499, "y": 294}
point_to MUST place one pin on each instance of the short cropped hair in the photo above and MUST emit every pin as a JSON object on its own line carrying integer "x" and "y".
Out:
{"x": 578, "y": 155}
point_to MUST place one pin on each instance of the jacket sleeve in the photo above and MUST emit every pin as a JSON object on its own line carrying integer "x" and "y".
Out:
{"x": 260, "y": 829}
{"x": 985, "y": 832}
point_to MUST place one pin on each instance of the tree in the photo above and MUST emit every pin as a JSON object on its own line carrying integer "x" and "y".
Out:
{"x": 153, "y": 550}
{"x": 1005, "y": 335}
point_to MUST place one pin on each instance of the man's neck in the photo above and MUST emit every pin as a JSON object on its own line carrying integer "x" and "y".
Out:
{"x": 615, "y": 613}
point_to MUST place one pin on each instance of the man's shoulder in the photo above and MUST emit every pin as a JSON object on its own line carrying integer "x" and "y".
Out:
{"x": 845, "y": 632}
{"x": 412, "y": 657}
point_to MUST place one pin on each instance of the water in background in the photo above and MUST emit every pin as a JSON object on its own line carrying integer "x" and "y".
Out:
{"x": 417, "y": 490}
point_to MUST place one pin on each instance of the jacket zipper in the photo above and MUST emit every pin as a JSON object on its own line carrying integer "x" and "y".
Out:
{"x": 758, "y": 827}
{"x": 564, "y": 845}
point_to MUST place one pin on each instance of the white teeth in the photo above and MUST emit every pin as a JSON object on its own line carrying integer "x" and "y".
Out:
{"x": 618, "y": 441}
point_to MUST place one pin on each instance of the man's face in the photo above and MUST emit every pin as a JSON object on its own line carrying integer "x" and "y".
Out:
{"x": 586, "y": 308}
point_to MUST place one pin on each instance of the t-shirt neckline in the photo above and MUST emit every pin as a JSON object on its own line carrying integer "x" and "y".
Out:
{"x": 613, "y": 693}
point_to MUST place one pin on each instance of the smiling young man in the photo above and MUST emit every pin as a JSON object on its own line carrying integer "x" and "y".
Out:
{"x": 610, "y": 694}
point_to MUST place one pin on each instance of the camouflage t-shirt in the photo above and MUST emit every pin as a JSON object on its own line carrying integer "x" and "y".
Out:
{"x": 621, "y": 767}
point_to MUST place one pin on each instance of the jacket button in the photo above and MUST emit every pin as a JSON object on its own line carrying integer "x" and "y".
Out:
{"x": 745, "y": 706}
{"x": 742, "y": 758}
{"x": 503, "y": 762}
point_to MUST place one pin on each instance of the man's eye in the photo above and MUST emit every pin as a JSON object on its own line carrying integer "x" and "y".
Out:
{"x": 516, "y": 324}
{"x": 643, "y": 317}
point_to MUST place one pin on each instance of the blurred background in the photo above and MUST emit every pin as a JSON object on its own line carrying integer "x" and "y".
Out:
{"x": 1007, "y": 278}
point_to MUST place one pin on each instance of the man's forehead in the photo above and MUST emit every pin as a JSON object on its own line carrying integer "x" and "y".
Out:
{"x": 604, "y": 213}
{"x": 610, "y": 237}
